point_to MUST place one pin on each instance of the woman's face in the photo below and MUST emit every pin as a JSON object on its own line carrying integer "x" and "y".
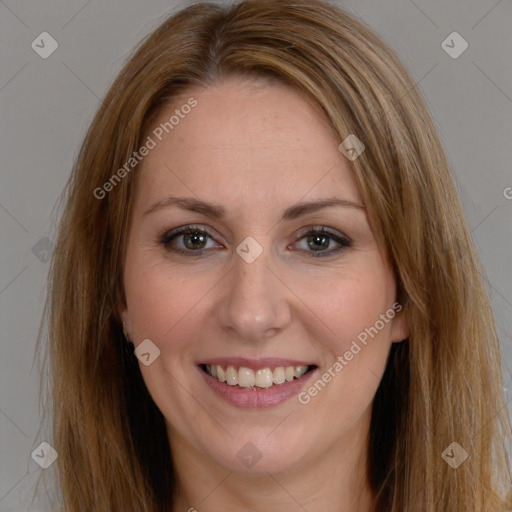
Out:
{"x": 256, "y": 291}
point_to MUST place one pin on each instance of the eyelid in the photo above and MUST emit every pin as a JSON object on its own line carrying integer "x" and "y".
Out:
{"x": 324, "y": 229}
{"x": 211, "y": 232}
{"x": 168, "y": 234}
{"x": 342, "y": 240}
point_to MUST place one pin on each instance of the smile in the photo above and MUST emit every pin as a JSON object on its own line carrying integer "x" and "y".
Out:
{"x": 256, "y": 383}
{"x": 261, "y": 378}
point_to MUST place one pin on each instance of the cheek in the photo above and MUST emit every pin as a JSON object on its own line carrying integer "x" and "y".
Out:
{"x": 157, "y": 298}
{"x": 347, "y": 305}
{"x": 357, "y": 311}
{"x": 338, "y": 306}
{"x": 167, "y": 306}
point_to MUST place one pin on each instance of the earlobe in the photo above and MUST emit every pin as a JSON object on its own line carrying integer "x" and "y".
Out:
{"x": 400, "y": 327}
{"x": 126, "y": 325}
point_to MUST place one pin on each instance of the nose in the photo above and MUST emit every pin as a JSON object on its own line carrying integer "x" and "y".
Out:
{"x": 254, "y": 303}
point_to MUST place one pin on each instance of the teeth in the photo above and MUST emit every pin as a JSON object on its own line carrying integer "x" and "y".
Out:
{"x": 262, "y": 378}
{"x": 278, "y": 377}
{"x": 231, "y": 376}
{"x": 298, "y": 371}
{"x": 246, "y": 377}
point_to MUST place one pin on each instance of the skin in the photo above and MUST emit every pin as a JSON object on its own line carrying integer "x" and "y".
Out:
{"x": 257, "y": 149}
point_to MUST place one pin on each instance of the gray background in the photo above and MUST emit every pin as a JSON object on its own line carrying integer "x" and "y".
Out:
{"x": 46, "y": 105}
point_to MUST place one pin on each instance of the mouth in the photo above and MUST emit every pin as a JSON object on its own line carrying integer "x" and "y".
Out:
{"x": 251, "y": 377}
{"x": 256, "y": 383}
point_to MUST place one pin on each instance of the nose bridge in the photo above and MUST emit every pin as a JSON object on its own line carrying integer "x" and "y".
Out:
{"x": 253, "y": 304}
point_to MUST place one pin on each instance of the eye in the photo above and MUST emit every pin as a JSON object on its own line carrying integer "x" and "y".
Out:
{"x": 195, "y": 239}
{"x": 319, "y": 238}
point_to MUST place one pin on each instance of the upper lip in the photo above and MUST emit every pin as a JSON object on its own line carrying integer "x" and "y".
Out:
{"x": 255, "y": 364}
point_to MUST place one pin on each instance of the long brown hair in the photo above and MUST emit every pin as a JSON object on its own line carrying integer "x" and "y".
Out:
{"x": 442, "y": 385}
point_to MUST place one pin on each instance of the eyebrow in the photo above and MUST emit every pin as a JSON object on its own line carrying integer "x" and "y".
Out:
{"x": 218, "y": 212}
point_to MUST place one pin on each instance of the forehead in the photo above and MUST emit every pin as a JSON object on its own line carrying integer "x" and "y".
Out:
{"x": 249, "y": 141}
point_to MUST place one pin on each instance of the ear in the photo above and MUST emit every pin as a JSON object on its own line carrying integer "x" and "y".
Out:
{"x": 122, "y": 311}
{"x": 399, "y": 325}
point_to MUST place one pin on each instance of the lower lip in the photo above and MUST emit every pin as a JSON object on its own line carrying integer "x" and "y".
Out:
{"x": 259, "y": 397}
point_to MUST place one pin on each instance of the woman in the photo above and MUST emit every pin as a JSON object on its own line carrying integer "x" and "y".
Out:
{"x": 264, "y": 294}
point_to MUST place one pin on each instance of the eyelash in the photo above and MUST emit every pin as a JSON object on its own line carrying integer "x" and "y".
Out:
{"x": 168, "y": 237}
